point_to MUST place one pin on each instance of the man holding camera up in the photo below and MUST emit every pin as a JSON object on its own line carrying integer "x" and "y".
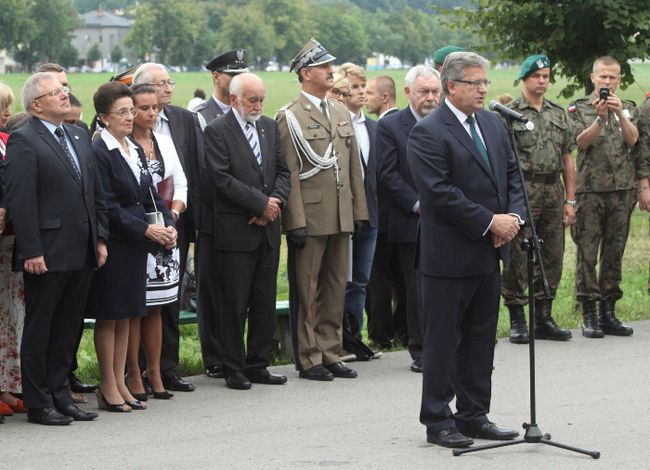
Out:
{"x": 606, "y": 193}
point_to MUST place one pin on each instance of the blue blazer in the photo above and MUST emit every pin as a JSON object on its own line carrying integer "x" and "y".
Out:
{"x": 127, "y": 200}
{"x": 459, "y": 193}
{"x": 394, "y": 175}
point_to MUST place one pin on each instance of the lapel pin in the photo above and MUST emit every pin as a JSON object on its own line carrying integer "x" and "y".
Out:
{"x": 76, "y": 137}
{"x": 308, "y": 107}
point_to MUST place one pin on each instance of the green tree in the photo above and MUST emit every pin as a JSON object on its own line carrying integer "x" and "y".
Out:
{"x": 572, "y": 34}
{"x": 43, "y": 33}
{"x": 94, "y": 54}
{"x": 116, "y": 54}
{"x": 68, "y": 56}
{"x": 410, "y": 37}
{"x": 242, "y": 28}
{"x": 343, "y": 33}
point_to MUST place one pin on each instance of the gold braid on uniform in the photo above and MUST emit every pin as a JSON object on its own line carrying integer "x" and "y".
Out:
{"x": 327, "y": 161}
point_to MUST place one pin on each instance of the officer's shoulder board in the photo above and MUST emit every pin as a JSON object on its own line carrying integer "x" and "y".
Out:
{"x": 285, "y": 107}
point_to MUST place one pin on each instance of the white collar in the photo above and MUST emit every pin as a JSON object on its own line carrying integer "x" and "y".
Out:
{"x": 461, "y": 116}
{"x": 112, "y": 143}
{"x": 360, "y": 119}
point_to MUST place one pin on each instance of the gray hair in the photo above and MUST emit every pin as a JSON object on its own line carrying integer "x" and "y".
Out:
{"x": 456, "y": 63}
{"x": 142, "y": 74}
{"x": 32, "y": 88}
{"x": 423, "y": 71}
{"x": 237, "y": 83}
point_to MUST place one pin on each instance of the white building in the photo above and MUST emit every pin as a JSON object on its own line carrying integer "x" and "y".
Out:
{"x": 105, "y": 29}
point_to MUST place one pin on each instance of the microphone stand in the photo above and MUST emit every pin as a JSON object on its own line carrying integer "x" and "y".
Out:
{"x": 532, "y": 246}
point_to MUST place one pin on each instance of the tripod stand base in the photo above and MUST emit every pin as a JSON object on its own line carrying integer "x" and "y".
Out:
{"x": 533, "y": 435}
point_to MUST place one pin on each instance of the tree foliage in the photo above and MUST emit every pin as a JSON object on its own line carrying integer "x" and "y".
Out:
{"x": 342, "y": 31}
{"x": 94, "y": 54}
{"x": 572, "y": 34}
{"x": 242, "y": 29}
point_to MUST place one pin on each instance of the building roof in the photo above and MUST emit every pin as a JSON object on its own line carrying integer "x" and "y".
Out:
{"x": 104, "y": 19}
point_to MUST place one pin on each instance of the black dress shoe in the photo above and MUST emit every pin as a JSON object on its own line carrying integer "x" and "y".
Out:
{"x": 416, "y": 366}
{"x": 449, "y": 437}
{"x": 237, "y": 381}
{"x": 76, "y": 413}
{"x": 177, "y": 384}
{"x": 48, "y": 417}
{"x": 339, "y": 370}
{"x": 316, "y": 373}
{"x": 264, "y": 376}
{"x": 491, "y": 432}
{"x": 215, "y": 372}
{"x": 77, "y": 387}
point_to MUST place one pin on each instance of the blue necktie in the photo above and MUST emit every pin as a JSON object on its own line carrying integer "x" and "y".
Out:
{"x": 477, "y": 139}
{"x": 250, "y": 135}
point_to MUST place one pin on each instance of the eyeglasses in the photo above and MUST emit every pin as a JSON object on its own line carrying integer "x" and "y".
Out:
{"x": 341, "y": 93}
{"x": 163, "y": 84}
{"x": 56, "y": 92}
{"x": 475, "y": 83}
{"x": 125, "y": 113}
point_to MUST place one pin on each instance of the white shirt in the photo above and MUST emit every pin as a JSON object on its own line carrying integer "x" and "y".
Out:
{"x": 173, "y": 166}
{"x": 243, "y": 124}
{"x": 162, "y": 124}
{"x": 132, "y": 158}
{"x": 418, "y": 118}
{"x": 224, "y": 107}
{"x": 361, "y": 133}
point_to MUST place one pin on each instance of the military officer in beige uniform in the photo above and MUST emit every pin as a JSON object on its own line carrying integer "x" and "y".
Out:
{"x": 325, "y": 205}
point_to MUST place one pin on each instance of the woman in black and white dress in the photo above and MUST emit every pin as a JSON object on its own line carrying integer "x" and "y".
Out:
{"x": 162, "y": 264}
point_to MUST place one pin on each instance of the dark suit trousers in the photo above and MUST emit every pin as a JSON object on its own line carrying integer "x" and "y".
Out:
{"x": 169, "y": 356}
{"x": 460, "y": 321}
{"x": 243, "y": 287}
{"x": 385, "y": 294}
{"x": 206, "y": 308}
{"x": 54, "y": 308}
{"x": 406, "y": 254}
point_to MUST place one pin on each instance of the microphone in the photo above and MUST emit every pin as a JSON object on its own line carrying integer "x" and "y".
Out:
{"x": 507, "y": 112}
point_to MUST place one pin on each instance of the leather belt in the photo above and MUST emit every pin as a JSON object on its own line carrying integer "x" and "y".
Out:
{"x": 549, "y": 178}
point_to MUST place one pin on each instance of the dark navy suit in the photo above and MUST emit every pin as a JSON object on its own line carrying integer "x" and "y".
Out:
{"x": 459, "y": 194}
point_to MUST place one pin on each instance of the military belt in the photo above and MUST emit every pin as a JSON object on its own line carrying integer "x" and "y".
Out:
{"x": 549, "y": 178}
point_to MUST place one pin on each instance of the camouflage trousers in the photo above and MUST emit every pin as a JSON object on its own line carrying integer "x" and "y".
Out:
{"x": 600, "y": 234}
{"x": 546, "y": 205}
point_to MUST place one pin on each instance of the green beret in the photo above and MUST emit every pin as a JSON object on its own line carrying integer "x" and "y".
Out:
{"x": 441, "y": 54}
{"x": 533, "y": 63}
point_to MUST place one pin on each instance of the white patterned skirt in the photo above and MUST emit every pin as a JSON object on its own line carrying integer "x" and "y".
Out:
{"x": 163, "y": 272}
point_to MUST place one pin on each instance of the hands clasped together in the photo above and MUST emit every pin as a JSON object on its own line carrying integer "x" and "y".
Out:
{"x": 504, "y": 228}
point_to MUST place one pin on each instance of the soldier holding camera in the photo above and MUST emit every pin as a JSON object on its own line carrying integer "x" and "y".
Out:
{"x": 606, "y": 191}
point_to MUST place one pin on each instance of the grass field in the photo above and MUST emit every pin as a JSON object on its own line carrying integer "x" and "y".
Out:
{"x": 282, "y": 87}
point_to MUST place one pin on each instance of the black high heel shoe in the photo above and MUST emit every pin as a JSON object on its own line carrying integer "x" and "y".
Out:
{"x": 136, "y": 405}
{"x": 164, "y": 395}
{"x": 102, "y": 404}
{"x": 138, "y": 396}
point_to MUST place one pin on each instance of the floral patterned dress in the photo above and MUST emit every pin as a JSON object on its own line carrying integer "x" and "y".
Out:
{"x": 12, "y": 316}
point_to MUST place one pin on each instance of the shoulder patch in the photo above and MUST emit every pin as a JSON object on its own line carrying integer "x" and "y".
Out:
{"x": 572, "y": 108}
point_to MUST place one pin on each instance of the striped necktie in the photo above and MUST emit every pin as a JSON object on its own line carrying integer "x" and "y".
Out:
{"x": 253, "y": 142}
{"x": 61, "y": 135}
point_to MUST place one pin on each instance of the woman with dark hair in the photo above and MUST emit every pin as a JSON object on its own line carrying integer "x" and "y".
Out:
{"x": 119, "y": 287}
{"x": 162, "y": 265}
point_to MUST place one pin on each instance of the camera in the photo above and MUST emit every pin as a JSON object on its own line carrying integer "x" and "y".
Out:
{"x": 604, "y": 93}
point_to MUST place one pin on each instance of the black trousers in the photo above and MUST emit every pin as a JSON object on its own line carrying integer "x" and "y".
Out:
{"x": 54, "y": 309}
{"x": 460, "y": 321}
{"x": 406, "y": 255}
{"x": 242, "y": 286}
{"x": 386, "y": 294}
{"x": 169, "y": 356}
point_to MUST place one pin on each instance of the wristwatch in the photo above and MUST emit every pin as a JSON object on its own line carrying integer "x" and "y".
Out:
{"x": 600, "y": 121}
{"x": 571, "y": 202}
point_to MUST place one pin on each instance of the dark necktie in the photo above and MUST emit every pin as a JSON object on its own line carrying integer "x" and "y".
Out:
{"x": 477, "y": 139}
{"x": 61, "y": 135}
{"x": 252, "y": 141}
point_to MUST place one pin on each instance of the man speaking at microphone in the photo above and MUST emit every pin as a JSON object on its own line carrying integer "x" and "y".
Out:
{"x": 471, "y": 205}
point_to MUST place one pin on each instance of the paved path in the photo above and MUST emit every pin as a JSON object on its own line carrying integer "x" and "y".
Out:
{"x": 591, "y": 393}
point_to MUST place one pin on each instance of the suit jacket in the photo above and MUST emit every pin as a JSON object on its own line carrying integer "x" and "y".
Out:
{"x": 127, "y": 199}
{"x": 460, "y": 193}
{"x": 182, "y": 124}
{"x": 55, "y": 214}
{"x": 394, "y": 175}
{"x": 370, "y": 175}
{"x": 315, "y": 202}
{"x": 240, "y": 187}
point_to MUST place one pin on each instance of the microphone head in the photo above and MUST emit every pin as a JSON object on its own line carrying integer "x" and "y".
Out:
{"x": 493, "y": 105}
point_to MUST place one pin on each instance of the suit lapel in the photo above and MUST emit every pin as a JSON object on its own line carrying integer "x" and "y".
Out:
{"x": 268, "y": 155}
{"x": 458, "y": 130}
{"x": 408, "y": 120}
{"x": 55, "y": 145}
{"x": 238, "y": 132}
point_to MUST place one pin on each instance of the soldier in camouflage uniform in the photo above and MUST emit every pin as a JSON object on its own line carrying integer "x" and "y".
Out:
{"x": 544, "y": 145}
{"x": 641, "y": 156}
{"x": 606, "y": 192}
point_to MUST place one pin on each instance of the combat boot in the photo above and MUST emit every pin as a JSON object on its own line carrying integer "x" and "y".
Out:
{"x": 518, "y": 330}
{"x": 609, "y": 323}
{"x": 590, "y": 328}
{"x": 545, "y": 326}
